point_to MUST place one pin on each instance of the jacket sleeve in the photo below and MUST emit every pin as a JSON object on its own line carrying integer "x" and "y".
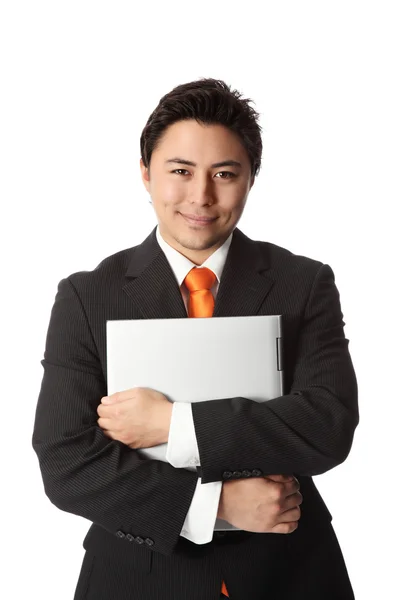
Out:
{"x": 83, "y": 471}
{"x": 307, "y": 431}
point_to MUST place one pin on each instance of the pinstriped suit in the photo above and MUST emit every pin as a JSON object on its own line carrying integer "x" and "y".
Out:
{"x": 137, "y": 507}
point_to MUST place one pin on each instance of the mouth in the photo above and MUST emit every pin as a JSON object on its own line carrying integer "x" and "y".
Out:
{"x": 197, "y": 220}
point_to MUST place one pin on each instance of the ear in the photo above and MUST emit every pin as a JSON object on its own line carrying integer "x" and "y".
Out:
{"x": 145, "y": 175}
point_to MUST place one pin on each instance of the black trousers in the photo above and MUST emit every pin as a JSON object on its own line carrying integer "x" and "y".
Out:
{"x": 310, "y": 567}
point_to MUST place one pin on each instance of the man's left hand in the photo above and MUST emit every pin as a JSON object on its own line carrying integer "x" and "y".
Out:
{"x": 138, "y": 417}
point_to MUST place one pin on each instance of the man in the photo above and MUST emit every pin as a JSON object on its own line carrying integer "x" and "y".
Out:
{"x": 152, "y": 534}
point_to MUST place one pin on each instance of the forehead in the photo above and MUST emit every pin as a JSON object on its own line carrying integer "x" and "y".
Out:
{"x": 198, "y": 140}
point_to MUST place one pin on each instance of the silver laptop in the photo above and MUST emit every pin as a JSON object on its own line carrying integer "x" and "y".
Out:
{"x": 196, "y": 360}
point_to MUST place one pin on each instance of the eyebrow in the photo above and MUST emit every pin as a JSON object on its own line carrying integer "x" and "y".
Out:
{"x": 224, "y": 163}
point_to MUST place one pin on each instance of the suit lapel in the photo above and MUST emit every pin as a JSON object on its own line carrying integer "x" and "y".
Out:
{"x": 244, "y": 285}
{"x": 152, "y": 285}
{"x": 245, "y": 281}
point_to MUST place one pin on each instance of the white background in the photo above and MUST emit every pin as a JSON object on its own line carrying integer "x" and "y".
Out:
{"x": 78, "y": 82}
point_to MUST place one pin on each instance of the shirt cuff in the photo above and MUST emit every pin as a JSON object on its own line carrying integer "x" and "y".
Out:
{"x": 202, "y": 514}
{"x": 182, "y": 449}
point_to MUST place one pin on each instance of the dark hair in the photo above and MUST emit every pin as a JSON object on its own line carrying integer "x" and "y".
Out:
{"x": 209, "y": 101}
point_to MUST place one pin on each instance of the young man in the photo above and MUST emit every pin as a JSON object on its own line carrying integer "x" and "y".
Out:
{"x": 152, "y": 535}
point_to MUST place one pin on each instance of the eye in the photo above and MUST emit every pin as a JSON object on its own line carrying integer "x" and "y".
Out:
{"x": 231, "y": 175}
{"x": 176, "y": 170}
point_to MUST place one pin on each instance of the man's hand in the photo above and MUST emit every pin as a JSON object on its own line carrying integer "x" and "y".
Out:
{"x": 267, "y": 504}
{"x": 138, "y": 417}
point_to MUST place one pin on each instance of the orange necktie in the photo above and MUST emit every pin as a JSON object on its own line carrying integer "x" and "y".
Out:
{"x": 199, "y": 282}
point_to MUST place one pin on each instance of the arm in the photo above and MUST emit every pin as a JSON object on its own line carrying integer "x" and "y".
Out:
{"x": 307, "y": 431}
{"x": 83, "y": 471}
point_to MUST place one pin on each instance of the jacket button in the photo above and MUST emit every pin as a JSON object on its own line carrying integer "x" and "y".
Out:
{"x": 120, "y": 534}
{"x": 226, "y": 474}
{"x": 149, "y": 542}
{"x": 129, "y": 537}
{"x": 246, "y": 473}
{"x": 256, "y": 472}
{"x": 139, "y": 539}
{"x": 237, "y": 474}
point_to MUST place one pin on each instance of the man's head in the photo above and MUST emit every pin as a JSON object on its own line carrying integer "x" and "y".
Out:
{"x": 205, "y": 124}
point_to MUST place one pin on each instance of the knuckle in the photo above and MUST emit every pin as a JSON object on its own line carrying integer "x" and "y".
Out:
{"x": 276, "y": 508}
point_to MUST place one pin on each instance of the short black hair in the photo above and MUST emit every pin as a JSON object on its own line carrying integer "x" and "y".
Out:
{"x": 208, "y": 101}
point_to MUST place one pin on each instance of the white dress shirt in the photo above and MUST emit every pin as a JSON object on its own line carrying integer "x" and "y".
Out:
{"x": 182, "y": 448}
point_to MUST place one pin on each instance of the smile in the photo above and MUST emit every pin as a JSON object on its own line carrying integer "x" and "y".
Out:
{"x": 201, "y": 221}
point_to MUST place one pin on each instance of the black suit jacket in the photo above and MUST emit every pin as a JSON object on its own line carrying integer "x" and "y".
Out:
{"x": 137, "y": 506}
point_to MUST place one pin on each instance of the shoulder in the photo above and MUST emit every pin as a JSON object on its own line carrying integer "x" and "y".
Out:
{"x": 280, "y": 258}
{"x": 293, "y": 273}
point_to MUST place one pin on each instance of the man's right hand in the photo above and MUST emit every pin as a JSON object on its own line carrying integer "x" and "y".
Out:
{"x": 268, "y": 504}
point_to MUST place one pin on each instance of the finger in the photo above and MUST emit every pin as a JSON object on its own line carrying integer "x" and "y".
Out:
{"x": 293, "y": 514}
{"x": 285, "y": 528}
{"x": 290, "y": 487}
{"x": 104, "y": 423}
{"x": 280, "y": 478}
{"x": 294, "y": 485}
{"x": 109, "y": 399}
{"x": 103, "y": 410}
{"x": 109, "y": 410}
{"x": 119, "y": 396}
{"x": 292, "y": 501}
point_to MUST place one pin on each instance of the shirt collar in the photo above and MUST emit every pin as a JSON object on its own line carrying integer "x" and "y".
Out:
{"x": 181, "y": 265}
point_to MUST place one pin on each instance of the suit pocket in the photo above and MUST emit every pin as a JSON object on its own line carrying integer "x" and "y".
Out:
{"x": 82, "y": 585}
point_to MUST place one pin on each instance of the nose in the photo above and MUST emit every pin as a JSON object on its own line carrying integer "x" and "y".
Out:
{"x": 201, "y": 192}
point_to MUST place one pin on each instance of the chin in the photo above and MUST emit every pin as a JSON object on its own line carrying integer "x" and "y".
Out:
{"x": 198, "y": 240}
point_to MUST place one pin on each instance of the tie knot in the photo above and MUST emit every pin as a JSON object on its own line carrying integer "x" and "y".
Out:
{"x": 199, "y": 278}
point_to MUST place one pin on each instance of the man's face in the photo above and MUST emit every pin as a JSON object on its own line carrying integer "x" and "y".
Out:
{"x": 179, "y": 190}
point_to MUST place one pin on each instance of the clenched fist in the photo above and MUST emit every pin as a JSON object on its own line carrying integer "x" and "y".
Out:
{"x": 138, "y": 417}
{"x": 269, "y": 504}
